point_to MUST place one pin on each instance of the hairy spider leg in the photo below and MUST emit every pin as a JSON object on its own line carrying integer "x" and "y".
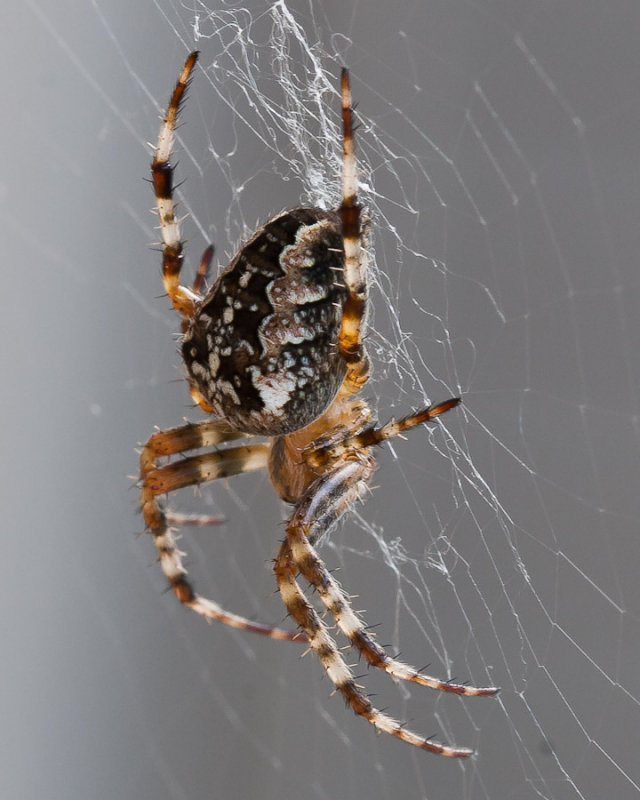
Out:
{"x": 349, "y": 440}
{"x": 355, "y": 259}
{"x": 330, "y": 496}
{"x": 199, "y": 282}
{"x": 324, "y": 503}
{"x": 190, "y": 472}
{"x": 183, "y": 299}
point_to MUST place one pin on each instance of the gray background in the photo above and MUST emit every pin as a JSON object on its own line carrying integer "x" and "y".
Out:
{"x": 515, "y": 132}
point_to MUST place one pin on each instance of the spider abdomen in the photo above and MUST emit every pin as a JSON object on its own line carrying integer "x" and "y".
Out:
{"x": 262, "y": 346}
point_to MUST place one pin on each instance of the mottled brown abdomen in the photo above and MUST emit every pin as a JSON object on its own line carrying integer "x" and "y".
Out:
{"x": 262, "y": 347}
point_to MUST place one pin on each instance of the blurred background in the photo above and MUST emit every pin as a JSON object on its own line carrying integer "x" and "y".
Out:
{"x": 499, "y": 145}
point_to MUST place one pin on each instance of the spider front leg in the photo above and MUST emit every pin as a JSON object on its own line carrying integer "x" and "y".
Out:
{"x": 355, "y": 260}
{"x": 193, "y": 470}
{"x": 183, "y": 299}
{"x": 322, "y": 504}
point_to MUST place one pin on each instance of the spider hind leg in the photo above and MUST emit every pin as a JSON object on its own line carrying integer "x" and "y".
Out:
{"x": 323, "y": 503}
{"x": 190, "y": 471}
{"x": 337, "y": 669}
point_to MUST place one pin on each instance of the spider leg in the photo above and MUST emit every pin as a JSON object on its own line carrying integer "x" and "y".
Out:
{"x": 355, "y": 261}
{"x": 191, "y": 471}
{"x": 200, "y": 281}
{"x": 180, "y": 519}
{"x": 183, "y": 299}
{"x": 337, "y": 669}
{"x": 190, "y": 436}
{"x": 324, "y": 503}
{"x": 341, "y": 445}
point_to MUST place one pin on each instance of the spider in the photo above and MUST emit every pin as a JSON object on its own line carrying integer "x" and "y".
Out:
{"x": 275, "y": 349}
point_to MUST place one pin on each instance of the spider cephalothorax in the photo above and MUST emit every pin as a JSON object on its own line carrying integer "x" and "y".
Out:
{"x": 275, "y": 349}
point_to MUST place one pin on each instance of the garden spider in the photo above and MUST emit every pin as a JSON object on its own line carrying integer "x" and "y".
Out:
{"x": 275, "y": 349}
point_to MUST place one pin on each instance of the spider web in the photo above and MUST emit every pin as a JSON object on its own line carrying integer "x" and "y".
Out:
{"x": 498, "y": 153}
